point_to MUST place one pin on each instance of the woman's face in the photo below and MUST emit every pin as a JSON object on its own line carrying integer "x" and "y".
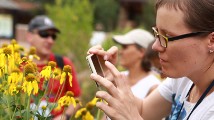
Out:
{"x": 130, "y": 55}
{"x": 184, "y": 57}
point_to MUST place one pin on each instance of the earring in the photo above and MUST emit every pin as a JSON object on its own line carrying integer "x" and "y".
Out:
{"x": 211, "y": 51}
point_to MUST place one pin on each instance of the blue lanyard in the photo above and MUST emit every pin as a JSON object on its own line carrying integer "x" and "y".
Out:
{"x": 199, "y": 101}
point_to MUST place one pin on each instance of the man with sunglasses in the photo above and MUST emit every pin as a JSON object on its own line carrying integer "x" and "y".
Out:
{"x": 42, "y": 34}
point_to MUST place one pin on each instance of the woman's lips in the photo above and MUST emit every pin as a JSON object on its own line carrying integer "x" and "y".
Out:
{"x": 162, "y": 61}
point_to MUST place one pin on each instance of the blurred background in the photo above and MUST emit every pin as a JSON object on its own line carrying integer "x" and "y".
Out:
{"x": 83, "y": 23}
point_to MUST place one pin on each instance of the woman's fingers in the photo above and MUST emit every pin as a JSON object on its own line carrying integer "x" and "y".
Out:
{"x": 112, "y": 50}
{"x": 119, "y": 79}
{"x": 97, "y": 50}
{"x": 109, "y": 106}
{"x": 109, "y": 111}
{"x": 120, "y": 99}
{"x": 94, "y": 48}
{"x": 109, "y": 76}
{"x": 112, "y": 54}
{"x": 106, "y": 84}
{"x": 105, "y": 96}
{"x": 119, "y": 108}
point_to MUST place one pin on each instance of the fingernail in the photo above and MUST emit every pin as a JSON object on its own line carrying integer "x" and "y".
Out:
{"x": 105, "y": 57}
{"x": 91, "y": 51}
{"x": 98, "y": 104}
{"x": 107, "y": 62}
{"x": 92, "y": 75}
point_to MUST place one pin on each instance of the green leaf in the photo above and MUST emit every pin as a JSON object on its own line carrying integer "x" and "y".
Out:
{"x": 37, "y": 97}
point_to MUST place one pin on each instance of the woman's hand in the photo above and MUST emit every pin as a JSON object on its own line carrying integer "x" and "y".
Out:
{"x": 122, "y": 105}
{"x": 110, "y": 55}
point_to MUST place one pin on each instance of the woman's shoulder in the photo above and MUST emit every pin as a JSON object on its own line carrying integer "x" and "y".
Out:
{"x": 174, "y": 86}
{"x": 183, "y": 81}
{"x": 152, "y": 79}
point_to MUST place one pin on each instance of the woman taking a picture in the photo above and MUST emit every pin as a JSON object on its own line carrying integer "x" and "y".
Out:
{"x": 184, "y": 34}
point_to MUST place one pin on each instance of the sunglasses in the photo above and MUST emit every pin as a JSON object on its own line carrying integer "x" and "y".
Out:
{"x": 45, "y": 34}
{"x": 164, "y": 40}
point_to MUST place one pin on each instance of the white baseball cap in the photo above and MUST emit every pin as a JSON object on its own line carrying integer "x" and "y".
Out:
{"x": 136, "y": 36}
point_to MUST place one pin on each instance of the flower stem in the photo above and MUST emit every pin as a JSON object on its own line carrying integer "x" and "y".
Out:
{"x": 28, "y": 107}
{"x": 59, "y": 92}
{"x": 15, "y": 107}
{"x": 14, "y": 112}
{"x": 98, "y": 114}
{"x": 8, "y": 106}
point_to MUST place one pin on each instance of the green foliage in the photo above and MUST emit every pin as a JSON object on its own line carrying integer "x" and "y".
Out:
{"x": 106, "y": 12}
{"x": 74, "y": 19}
{"x": 41, "y": 1}
{"x": 109, "y": 42}
{"x": 149, "y": 15}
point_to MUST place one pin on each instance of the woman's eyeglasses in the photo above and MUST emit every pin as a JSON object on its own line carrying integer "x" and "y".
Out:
{"x": 45, "y": 34}
{"x": 164, "y": 40}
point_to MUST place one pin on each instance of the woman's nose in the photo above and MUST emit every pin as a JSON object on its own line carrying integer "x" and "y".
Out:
{"x": 157, "y": 46}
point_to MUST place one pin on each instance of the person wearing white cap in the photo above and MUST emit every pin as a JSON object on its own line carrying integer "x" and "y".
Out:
{"x": 133, "y": 59}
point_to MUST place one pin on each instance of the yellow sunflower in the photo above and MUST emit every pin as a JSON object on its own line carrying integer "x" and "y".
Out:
{"x": 66, "y": 100}
{"x": 30, "y": 84}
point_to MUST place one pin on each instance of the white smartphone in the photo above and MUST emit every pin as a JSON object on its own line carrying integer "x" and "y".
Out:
{"x": 97, "y": 65}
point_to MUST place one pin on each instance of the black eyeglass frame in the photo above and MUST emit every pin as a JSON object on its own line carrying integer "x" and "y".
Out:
{"x": 192, "y": 34}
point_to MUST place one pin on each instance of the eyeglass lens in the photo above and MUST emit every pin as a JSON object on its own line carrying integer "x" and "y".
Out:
{"x": 162, "y": 39}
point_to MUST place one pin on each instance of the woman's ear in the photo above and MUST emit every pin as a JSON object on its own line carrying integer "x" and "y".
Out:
{"x": 144, "y": 53}
{"x": 211, "y": 42}
{"x": 212, "y": 36}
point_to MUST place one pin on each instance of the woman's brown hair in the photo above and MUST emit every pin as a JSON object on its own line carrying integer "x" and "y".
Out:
{"x": 198, "y": 14}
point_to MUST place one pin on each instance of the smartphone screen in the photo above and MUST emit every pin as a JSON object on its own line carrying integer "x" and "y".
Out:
{"x": 97, "y": 64}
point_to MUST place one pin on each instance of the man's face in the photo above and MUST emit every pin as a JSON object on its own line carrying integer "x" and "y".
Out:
{"x": 42, "y": 41}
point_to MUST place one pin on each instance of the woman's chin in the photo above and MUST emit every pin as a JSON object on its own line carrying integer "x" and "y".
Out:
{"x": 173, "y": 74}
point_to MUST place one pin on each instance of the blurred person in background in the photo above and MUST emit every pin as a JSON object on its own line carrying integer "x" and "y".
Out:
{"x": 42, "y": 34}
{"x": 132, "y": 57}
{"x": 155, "y": 63}
{"x": 98, "y": 36}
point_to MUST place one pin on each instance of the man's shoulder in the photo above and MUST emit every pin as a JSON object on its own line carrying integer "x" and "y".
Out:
{"x": 63, "y": 59}
{"x": 59, "y": 60}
